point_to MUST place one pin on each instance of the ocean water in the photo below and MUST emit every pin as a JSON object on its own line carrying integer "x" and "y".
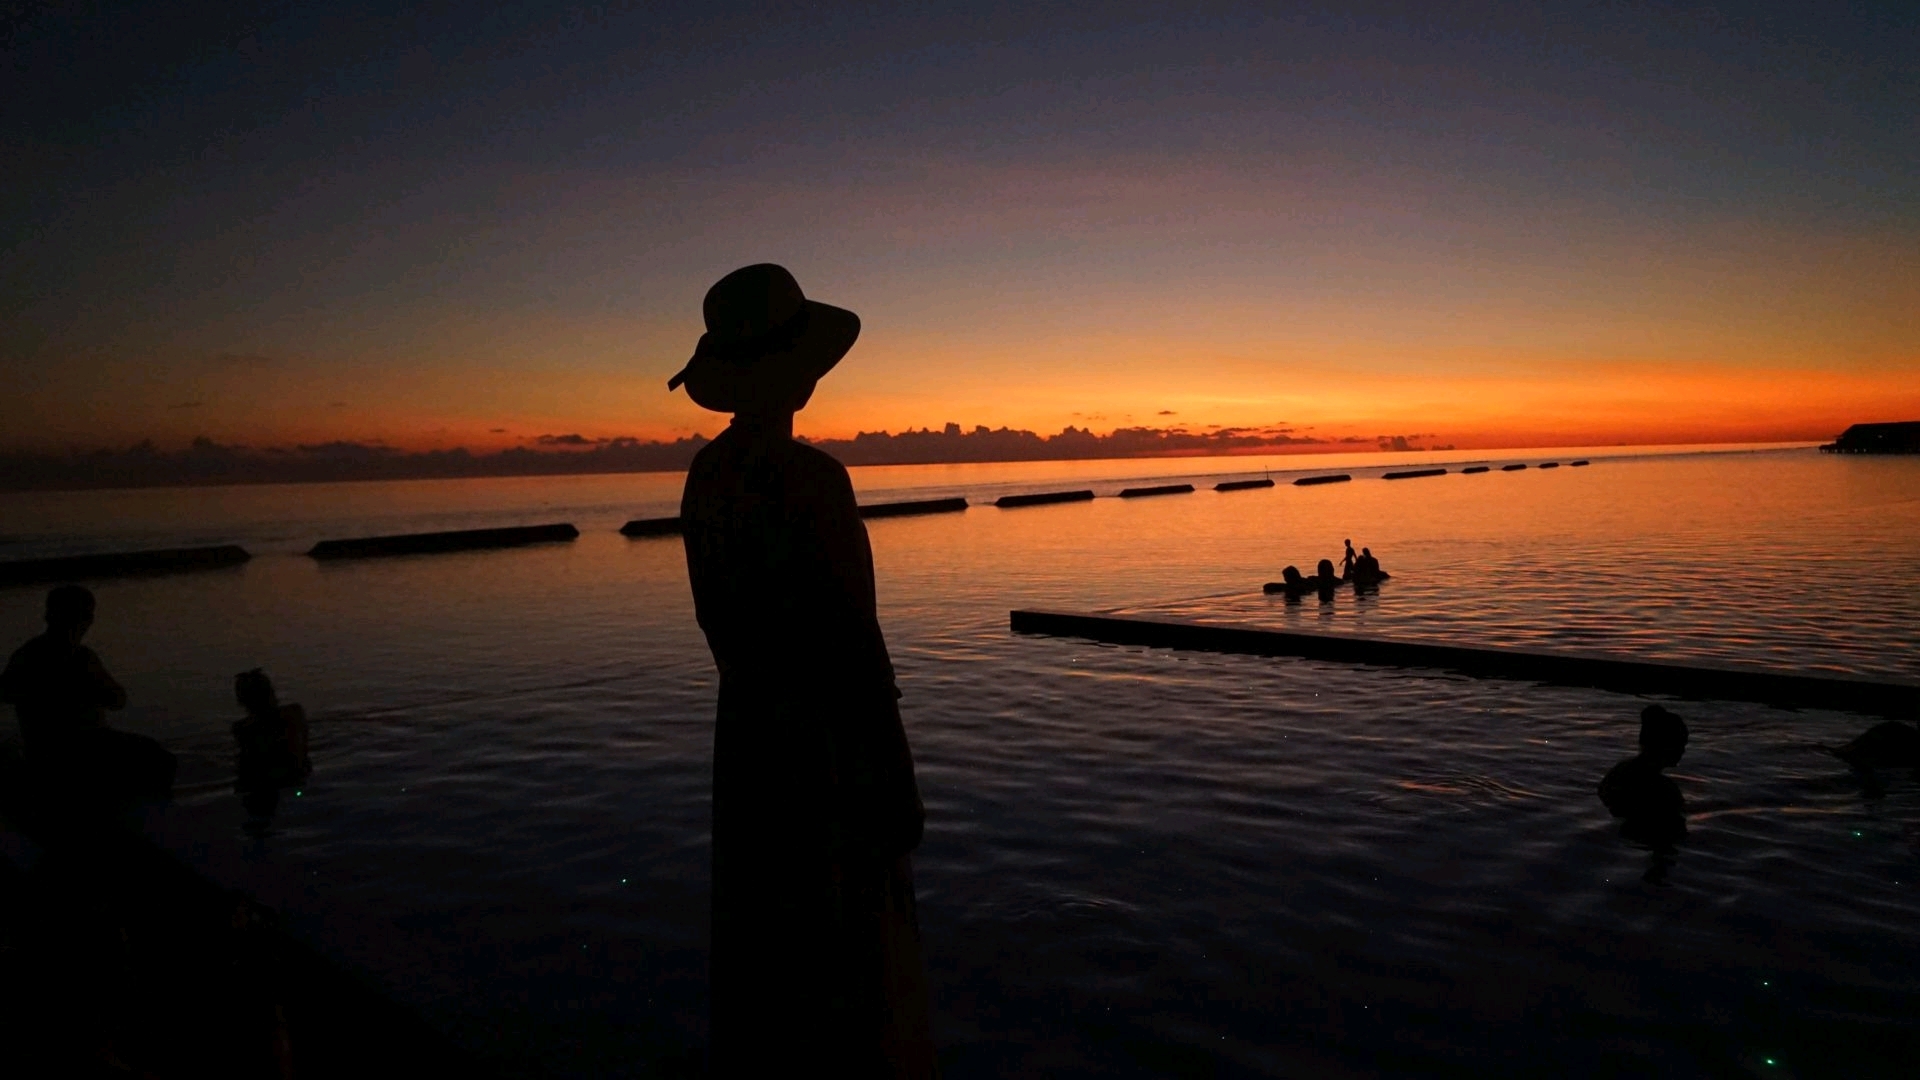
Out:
{"x": 1138, "y": 862}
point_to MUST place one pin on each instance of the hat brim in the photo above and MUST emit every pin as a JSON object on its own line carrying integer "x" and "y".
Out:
{"x": 773, "y": 380}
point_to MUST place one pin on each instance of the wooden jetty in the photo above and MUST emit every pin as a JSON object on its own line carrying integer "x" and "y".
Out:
{"x": 122, "y": 564}
{"x": 1412, "y": 473}
{"x": 1242, "y": 485}
{"x": 1043, "y": 498}
{"x": 1310, "y": 481}
{"x": 1163, "y": 489}
{"x": 437, "y": 542}
{"x": 1617, "y": 674}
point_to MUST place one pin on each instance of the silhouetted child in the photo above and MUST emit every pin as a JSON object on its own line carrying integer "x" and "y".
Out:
{"x": 272, "y": 739}
{"x": 1635, "y": 790}
{"x": 60, "y": 693}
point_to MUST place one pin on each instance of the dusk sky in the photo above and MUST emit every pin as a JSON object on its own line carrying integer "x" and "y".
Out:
{"x": 476, "y": 224}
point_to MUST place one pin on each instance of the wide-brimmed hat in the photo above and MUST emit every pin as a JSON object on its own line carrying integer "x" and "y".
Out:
{"x": 766, "y": 344}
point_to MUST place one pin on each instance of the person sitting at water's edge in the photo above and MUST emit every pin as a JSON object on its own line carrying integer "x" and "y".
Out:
{"x": 272, "y": 742}
{"x": 60, "y": 693}
{"x": 1648, "y": 801}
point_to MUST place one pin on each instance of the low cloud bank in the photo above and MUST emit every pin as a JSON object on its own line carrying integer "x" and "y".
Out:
{"x": 209, "y": 462}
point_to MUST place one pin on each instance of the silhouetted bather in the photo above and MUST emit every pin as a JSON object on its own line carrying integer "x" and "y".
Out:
{"x": 816, "y": 947}
{"x": 1290, "y": 583}
{"x": 1347, "y": 561}
{"x": 1889, "y": 745}
{"x": 272, "y": 743}
{"x": 60, "y": 693}
{"x": 1366, "y": 570}
{"x": 1650, "y": 804}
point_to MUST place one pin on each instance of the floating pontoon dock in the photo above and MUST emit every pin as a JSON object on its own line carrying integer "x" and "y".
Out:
{"x": 1783, "y": 688}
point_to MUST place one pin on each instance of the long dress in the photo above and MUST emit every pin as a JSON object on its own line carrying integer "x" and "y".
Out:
{"x": 816, "y": 958}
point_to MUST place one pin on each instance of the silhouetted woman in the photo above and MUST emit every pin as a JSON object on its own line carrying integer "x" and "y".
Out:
{"x": 816, "y": 961}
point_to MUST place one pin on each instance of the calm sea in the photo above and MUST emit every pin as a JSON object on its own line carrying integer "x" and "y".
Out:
{"x": 1138, "y": 863}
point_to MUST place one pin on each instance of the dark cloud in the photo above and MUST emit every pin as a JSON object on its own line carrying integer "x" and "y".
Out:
{"x": 572, "y": 439}
{"x": 497, "y": 431}
{"x": 343, "y": 449}
{"x": 1166, "y": 412}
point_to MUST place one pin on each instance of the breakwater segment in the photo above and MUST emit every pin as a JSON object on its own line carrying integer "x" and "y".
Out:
{"x": 437, "y": 542}
{"x": 1310, "y": 481}
{"x": 80, "y": 567}
{"x": 917, "y": 506}
{"x": 1600, "y": 672}
{"x": 667, "y": 526}
{"x": 1163, "y": 489}
{"x": 1411, "y": 473}
{"x": 1242, "y": 485}
{"x": 1043, "y": 498}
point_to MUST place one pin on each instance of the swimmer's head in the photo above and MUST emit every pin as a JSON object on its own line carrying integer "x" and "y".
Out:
{"x": 255, "y": 691}
{"x": 70, "y": 610}
{"x": 1663, "y": 736}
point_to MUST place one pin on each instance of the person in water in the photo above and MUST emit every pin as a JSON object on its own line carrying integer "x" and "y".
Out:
{"x": 1347, "y": 562}
{"x": 272, "y": 744}
{"x": 1325, "y": 579}
{"x": 816, "y": 956}
{"x": 1366, "y": 570}
{"x": 60, "y": 693}
{"x": 1652, "y": 810}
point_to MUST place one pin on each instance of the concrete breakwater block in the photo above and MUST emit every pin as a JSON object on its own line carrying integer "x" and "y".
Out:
{"x": 1163, "y": 489}
{"x": 78, "y": 567}
{"x": 1617, "y": 674}
{"x": 1242, "y": 485}
{"x": 1513, "y": 468}
{"x": 1411, "y": 473}
{"x": 1043, "y": 498}
{"x": 908, "y": 509}
{"x": 1473, "y": 469}
{"x": 1335, "y": 478}
{"x": 435, "y": 542}
{"x": 1549, "y": 464}
{"x": 651, "y": 527}
{"x": 1577, "y": 464}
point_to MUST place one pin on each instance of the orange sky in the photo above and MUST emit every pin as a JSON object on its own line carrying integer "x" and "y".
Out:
{"x": 1154, "y": 225}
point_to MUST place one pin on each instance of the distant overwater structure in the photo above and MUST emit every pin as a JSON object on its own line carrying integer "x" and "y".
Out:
{"x": 1900, "y": 438}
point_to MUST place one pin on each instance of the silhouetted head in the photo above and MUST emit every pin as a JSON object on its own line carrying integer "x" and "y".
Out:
{"x": 766, "y": 344}
{"x": 1325, "y": 569}
{"x": 1291, "y": 575}
{"x": 1663, "y": 736}
{"x": 1368, "y": 552}
{"x": 255, "y": 692}
{"x": 69, "y": 611}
